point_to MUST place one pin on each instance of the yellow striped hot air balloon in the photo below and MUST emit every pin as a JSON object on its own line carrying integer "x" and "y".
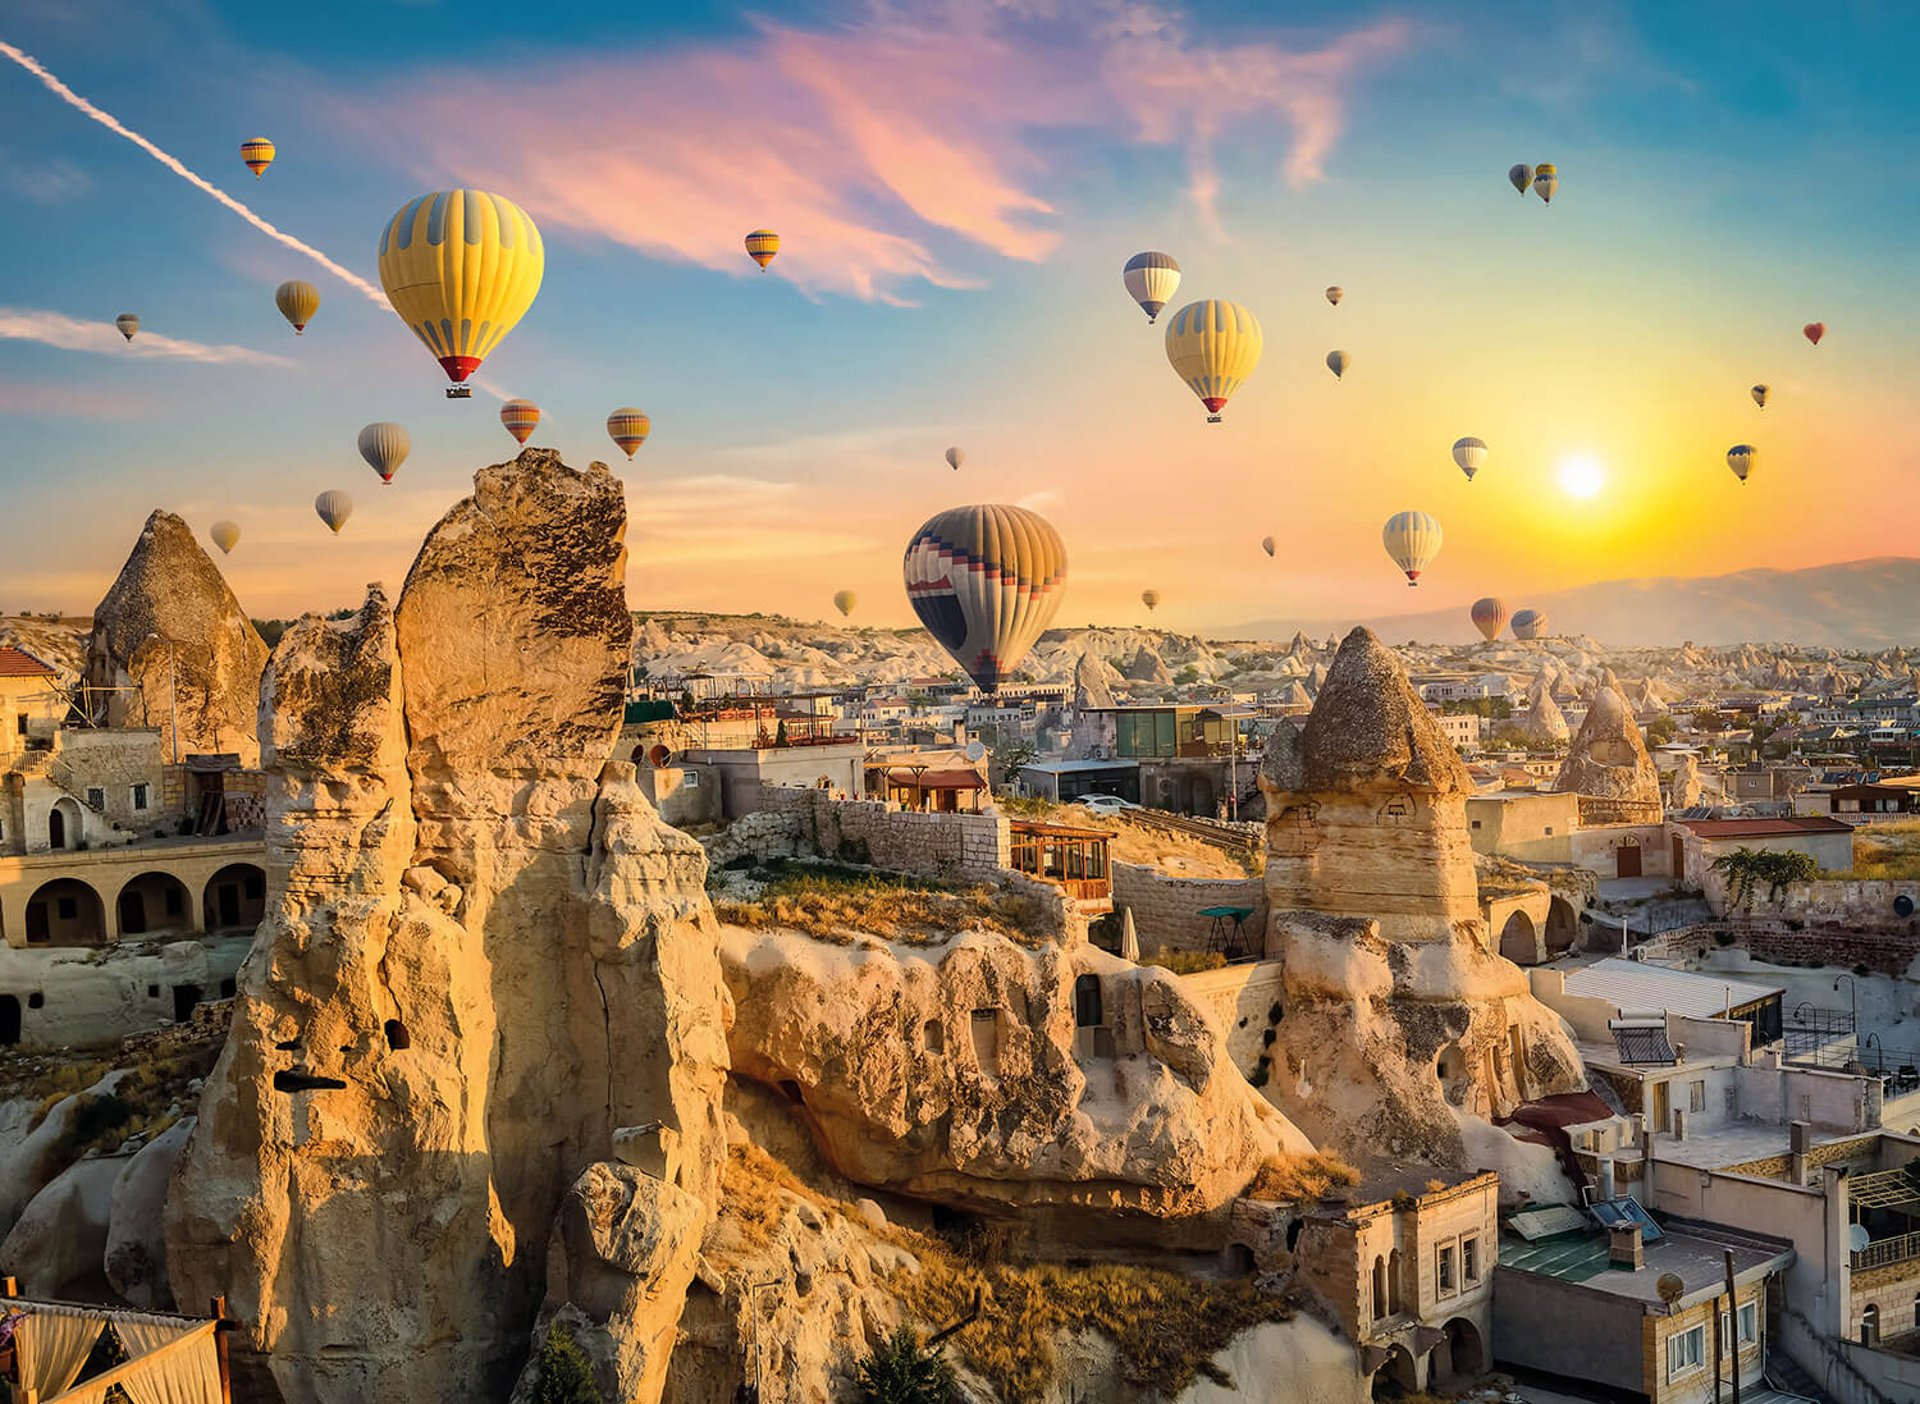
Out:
{"x": 520, "y": 418}
{"x": 226, "y": 535}
{"x": 629, "y": 428}
{"x": 461, "y": 267}
{"x": 258, "y": 154}
{"x": 297, "y": 302}
{"x": 986, "y": 582}
{"x": 762, "y": 245}
{"x": 1213, "y": 346}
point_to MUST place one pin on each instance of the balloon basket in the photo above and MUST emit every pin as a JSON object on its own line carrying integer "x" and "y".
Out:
{"x": 459, "y": 392}
{"x": 1213, "y": 419}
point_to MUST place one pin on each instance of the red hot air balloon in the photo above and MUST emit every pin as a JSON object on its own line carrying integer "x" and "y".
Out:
{"x": 1813, "y": 331}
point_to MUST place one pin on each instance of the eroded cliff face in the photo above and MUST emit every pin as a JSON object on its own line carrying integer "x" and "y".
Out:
{"x": 983, "y": 1074}
{"x": 171, "y": 634}
{"x": 485, "y": 956}
{"x": 1608, "y": 760}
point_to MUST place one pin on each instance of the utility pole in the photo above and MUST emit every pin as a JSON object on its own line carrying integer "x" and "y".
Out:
{"x": 1733, "y": 1327}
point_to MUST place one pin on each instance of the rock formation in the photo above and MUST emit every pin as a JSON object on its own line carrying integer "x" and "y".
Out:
{"x": 996, "y": 1077}
{"x": 1367, "y": 805}
{"x": 1608, "y": 762}
{"x": 136, "y": 1248}
{"x": 1399, "y": 1028}
{"x": 1544, "y": 723}
{"x": 1090, "y": 683}
{"x": 173, "y": 638}
{"x": 484, "y": 956}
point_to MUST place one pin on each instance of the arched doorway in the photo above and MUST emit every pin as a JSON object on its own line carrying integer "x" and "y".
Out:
{"x": 66, "y": 912}
{"x": 64, "y": 827}
{"x": 1379, "y": 1286}
{"x": 1399, "y": 1374}
{"x": 153, "y": 902}
{"x": 1562, "y": 926}
{"x": 1465, "y": 1354}
{"x": 235, "y": 898}
{"x": 1519, "y": 941}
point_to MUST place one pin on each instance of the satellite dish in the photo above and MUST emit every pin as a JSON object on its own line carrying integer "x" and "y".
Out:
{"x": 1858, "y": 1238}
{"x": 976, "y": 752}
{"x": 1670, "y": 1287}
{"x": 1903, "y": 905}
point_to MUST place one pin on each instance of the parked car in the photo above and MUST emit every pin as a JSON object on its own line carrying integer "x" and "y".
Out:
{"x": 1105, "y": 804}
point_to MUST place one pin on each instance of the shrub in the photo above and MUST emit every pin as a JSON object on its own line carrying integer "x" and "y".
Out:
{"x": 1185, "y": 962}
{"x": 566, "y": 1375}
{"x": 1287, "y": 1179}
{"x": 902, "y": 1371}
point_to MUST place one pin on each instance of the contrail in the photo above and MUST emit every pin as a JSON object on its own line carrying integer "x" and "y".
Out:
{"x": 179, "y": 168}
{"x": 72, "y": 334}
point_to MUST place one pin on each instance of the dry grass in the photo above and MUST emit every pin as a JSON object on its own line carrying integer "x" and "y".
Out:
{"x": 1177, "y": 855}
{"x": 757, "y": 1188}
{"x": 1888, "y": 851}
{"x": 838, "y": 905}
{"x": 1289, "y": 1179}
{"x": 1185, "y": 962}
{"x": 141, "y": 1105}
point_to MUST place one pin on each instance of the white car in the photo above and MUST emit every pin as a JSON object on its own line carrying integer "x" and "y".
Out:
{"x": 1105, "y": 804}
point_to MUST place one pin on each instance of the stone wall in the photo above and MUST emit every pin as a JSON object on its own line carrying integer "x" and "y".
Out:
{"x": 1886, "y": 950}
{"x": 1241, "y": 1000}
{"x": 883, "y": 834}
{"x": 114, "y": 762}
{"x": 1166, "y": 909}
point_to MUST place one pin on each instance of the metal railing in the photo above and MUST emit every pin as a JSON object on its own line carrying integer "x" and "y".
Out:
{"x": 1884, "y": 1251}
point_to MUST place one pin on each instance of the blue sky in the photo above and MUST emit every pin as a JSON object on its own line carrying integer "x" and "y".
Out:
{"x": 959, "y": 186}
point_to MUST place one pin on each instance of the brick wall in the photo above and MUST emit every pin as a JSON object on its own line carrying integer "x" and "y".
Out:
{"x": 1887, "y": 949}
{"x": 1165, "y": 909}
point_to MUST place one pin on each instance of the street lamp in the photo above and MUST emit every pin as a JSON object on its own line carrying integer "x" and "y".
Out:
{"x": 1853, "y": 998}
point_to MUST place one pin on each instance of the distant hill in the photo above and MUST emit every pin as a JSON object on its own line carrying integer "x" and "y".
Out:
{"x": 1856, "y": 604}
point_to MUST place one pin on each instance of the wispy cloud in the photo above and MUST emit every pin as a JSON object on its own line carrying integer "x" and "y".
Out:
{"x": 50, "y": 181}
{"x": 180, "y": 168}
{"x": 889, "y": 152}
{"x": 72, "y": 334}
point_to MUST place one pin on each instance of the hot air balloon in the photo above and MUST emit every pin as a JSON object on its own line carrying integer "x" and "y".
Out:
{"x": 1337, "y": 363}
{"x": 1530, "y": 624}
{"x": 520, "y": 417}
{"x": 258, "y": 155}
{"x": 1470, "y": 453}
{"x": 225, "y": 535}
{"x": 986, "y": 580}
{"x": 1213, "y": 346}
{"x": 1489, "y": 617}
{"x": 1520, "y": 177}
{"x": 1412, "y": 539}
{"x": 333, "y": 507}
{"x": 128, "y": 324}
{"x": 1813, "y": 331}
{"x": 297, "y": 302}
{"x": 844, "y": 601}
{"x": 1152, "y": 279}
{"x": 1740, "y": 458}
{"x": 1151, "y": 599}
{"x": 1760, "y": 393}
{"x": 385, "y": 445}
{"x": 1335, "y": 294}
{"x": 955, "y": 457}
{"x": 461, "y": 267}
{"x": 629, "y": 428}
{"x": 762, "y": 245}
{"x": 1546, "y": 182}
{"x": 1266, "y": 544}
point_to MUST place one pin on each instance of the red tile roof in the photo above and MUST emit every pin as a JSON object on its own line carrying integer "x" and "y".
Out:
{"x": 16, "y": 663}
{"x": 1766, "y": 828}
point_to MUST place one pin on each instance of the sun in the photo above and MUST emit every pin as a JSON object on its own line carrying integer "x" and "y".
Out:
{"x": 1582, "y": 477}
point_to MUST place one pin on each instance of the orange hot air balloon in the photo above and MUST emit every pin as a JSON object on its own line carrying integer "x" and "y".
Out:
{"x": 257, "y": 153}
{"x": 520, "y": 418}
{"x": 1813, "y": 331}
{"x": 628, "y": 427}
{"x": 762, "y": 245}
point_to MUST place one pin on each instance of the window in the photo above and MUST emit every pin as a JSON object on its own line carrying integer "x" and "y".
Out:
{"x": 139, "y": 796}
{"x": 173, "y": 902}
{"x": 1476, "y": 823}
{"x": 1470, "y": 1259}
{"x": 68, "y": 908}
{"x": 1686, "y": 1352}
{"x": 690, "y": 778}
{"x": 96, "y": 797}
{"x": 20, "y": 723}
{"x": 37, "y": 1000}
{"x": 1697, "y": 1095}
{"x": 1549, "y": 831}
{"x": 153, "y": 992}
{"x": 1444, "y": 1271}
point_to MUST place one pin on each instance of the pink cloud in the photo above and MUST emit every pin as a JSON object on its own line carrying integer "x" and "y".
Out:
{"x": 889, "y": 152}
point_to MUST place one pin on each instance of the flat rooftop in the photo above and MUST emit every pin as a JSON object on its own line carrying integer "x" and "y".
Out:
{"x": 1696, "y": 1254}
{"x": 1067, "y": 767}
{"x": 1797, "y": 826}
{"x": 1634, "y": 986}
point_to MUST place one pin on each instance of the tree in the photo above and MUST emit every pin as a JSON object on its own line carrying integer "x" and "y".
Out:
{"x": 902, "y": 1371}
{"x": 1660, "y": 731}
{"x": 566, "y": 1375}
{"x": 1012, "y": 756}
{"x": 1745, "y": 869}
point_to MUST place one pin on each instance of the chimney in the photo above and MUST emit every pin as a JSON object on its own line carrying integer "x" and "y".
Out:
{"x": 1679, "y": 1052}
{"x": 1606, "y": 1179}
{"x": 1801, "y": 1134}
{"x": 1679, "y": 1123}
{"x": 1624, "y": 1249}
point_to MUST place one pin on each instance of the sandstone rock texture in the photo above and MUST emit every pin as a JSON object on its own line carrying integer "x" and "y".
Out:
{"x": 1608, "y": 760}
{"x": 171, "y": 632}
{"x": 57, "y": 1247}
{"x": 1397, "y": 1020}
{"x": 484, "y": 955}
{"x": 1543, "y": 721}
{"x": 983, "y": 1074}
{"x": 1366, "y": 805}
{"x": 136, "y": 1248}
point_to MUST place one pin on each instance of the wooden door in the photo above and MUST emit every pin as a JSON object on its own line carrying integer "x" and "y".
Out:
{"x": 1627, "y": 860}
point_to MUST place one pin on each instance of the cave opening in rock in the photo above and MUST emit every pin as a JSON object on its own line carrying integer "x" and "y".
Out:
{"x": 397, "y": 1036}
{"x": 288, "y": 1080}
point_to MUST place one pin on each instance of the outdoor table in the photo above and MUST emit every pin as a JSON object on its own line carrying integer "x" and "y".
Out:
{"x": 1222, "y": 938}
